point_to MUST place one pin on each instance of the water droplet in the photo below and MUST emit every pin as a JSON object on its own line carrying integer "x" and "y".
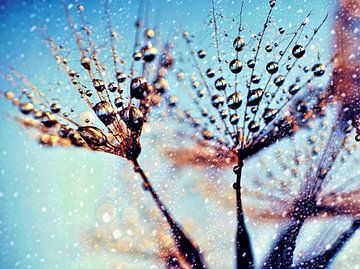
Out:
{"x": 272, "y": 3}
{"x": 269, "y": 115}
{"x": 138, "y": 88}
{"x": 220, "y": 84}
{"x": 88, "y": 93}
{"x": 112, "y": 87}
{"x": 279, "y": 80}
{"x": 80, "y": 8}
{"x": 64, "y": 131}
{"x": 133, "y": 118}
{"x": 118, "y": 102}
{"x": 149, "y": 53}
{"x": 161, "y": 85}
{"x": 235, "y": 66}
{"x": 105, "y": 112}
{"x": 48, "y": 119}
{"x": 85, "y": 62}
{"x": 204, "y": 112}
{"x": 26, "y": 108}
{"x": 207, "y": 134}
{"x": 294, "y": 88}
{"x": 201, "y": 54}
{"x": 254, "y": 97}
{"x": 254, "y": 109}
{"x": 173, "y": 100}
{"x": 298, "y": 51}
{"x": 234, "y": 100}
{"x": 254, "y": 126}
{"x": 121, "y": 77}
{"x": 55, "y": 108}
{"x": 239, "y": 43}
{"x": 149, "y": 33}
{"x": 93, "y": 136}
{"x": 318, "y": 70}
{"x": 137, "y": 56}
{"x": 272, "y": 67}
{"x": 99, "y": 85}
{"x": 217, "y": 100}
{"x": 210, "y": 73}
{"x": 251, "y": 63}
{"x": 268, "y": 48}
{"x": 224, "y": 113}
{"x": 255, "y": 79}
{"x": 234, "y": 119}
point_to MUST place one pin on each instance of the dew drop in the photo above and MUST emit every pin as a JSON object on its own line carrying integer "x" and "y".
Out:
{"x": 105, "y": 112}
{"x": 239, "y": 43}
{"x": 133, "y": 118}
{"x": 269, "y": 115}
{"x": 251, "y": 63}
{"x": 279, "y": 80}
{"x": 138, "y": 88}
{"x": 298, "y": 51}
{"x": 99, "y": 85}
{"x": 318, "y": 70}
{"x": 235, "y": 66}
{"x": 55, "y": 108}
{"x": 210, "y": 73}
{"x": 85, "y": 62}
{"x": 149, "y": 53}
{"x": 121, "y": 77}
{"x": 26, "y": 108}
{"x": 220, "y": 84}
{"x": 294, "y": 88}
{"x": 254, "y": 97}
{"x": 254, "y": 126}
{"x": 217, "y": 100}
{"x": 93, "y": 136}
{"x": 234, "y": 100}
{"x": 201, "y": 54}
{"x": 272, "y": 67}
{"x": 234, "y": 119}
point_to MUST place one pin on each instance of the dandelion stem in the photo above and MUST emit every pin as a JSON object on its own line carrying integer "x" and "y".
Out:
{"x": 282, "y": 253}
{"x": 324, "y": 259}
{"x": 185, "y": 246}
{"x": 244, "y": 255}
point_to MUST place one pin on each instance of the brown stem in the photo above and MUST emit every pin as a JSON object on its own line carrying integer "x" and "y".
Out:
{"x": 244, "y": 255}
{"x": 190, "y": 252}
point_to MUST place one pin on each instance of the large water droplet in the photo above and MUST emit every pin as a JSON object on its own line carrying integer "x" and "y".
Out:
{"x": 272, "y": 67}
{"x": 235, "y": 66}
{"x": 239, "y": 43}
{"x": 298, "y": 51}
{"x": 220, "y": 84}
{"x": 93, "y": 136}
{"x": 234, "y": 100}
{"x": 318, "y": 70}
{"x": 105, "y": 112}
{"x": 138, "y": 88}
